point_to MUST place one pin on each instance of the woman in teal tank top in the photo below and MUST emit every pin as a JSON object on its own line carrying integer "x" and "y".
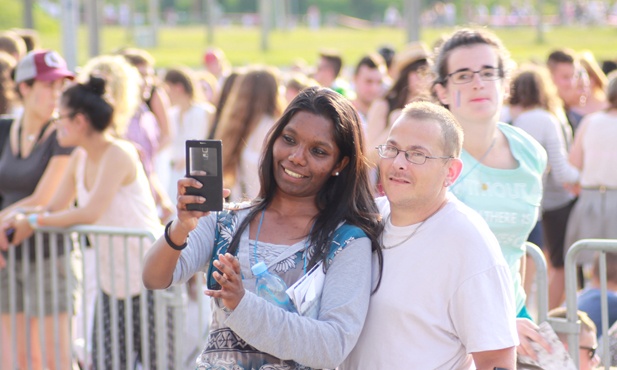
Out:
{"x": 502, "y": 165}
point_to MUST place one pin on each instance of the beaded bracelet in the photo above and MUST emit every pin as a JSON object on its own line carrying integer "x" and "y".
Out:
{"x": 169, "y": 241}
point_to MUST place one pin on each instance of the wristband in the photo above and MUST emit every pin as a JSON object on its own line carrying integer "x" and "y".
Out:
{"x": 169, "y": 241}
{"x": 33, "y": 220}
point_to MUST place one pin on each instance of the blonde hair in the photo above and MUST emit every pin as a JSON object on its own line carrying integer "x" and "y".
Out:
{"x": 123, "y": 87}
{"x": 588, "y": 61}
{"x": 253, "y": 96}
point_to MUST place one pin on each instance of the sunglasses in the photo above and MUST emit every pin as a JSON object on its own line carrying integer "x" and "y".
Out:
{"x": 591, "y": 350}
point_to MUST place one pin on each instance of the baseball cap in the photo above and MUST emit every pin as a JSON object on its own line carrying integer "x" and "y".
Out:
{"x": 42, "y": 65}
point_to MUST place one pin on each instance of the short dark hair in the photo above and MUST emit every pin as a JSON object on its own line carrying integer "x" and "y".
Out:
{"x": 451, "y": 129}
{"x": 334, "y": 60}
{"x": 560, "y": 56}
{"x": 182, "y": 76}
{"x": 611, "y": 267}
{"x": 371, "y": 61}
{"x": 387, "y": 53}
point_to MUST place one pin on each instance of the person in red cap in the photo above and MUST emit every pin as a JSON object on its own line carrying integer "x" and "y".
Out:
{"x": 31, "y": 166}
{"x": 216, "y": 63}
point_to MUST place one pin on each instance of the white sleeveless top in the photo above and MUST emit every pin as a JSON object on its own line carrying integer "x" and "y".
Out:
{"x": 132, "y": 207}
{"x": 600, "y": 151}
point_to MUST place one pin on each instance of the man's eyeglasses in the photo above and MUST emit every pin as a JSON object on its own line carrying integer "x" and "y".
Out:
{"x": 466, "y": 76}
{"x": 412, "y": 156}
{"x": 591, "y": 350}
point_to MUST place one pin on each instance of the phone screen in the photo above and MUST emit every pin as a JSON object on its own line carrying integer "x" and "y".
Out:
{"x": 203, "y": 161}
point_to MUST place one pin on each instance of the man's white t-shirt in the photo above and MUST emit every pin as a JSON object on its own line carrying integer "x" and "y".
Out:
{"x": 444, "y": 294}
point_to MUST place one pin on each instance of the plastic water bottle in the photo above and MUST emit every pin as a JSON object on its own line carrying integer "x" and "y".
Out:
{"x": 271, "y": 287}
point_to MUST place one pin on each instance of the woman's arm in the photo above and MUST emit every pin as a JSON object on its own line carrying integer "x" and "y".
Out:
{"x": 576, "y": 151}
{"x": 117, "y": 167}
{"x": 321, "y": 343}
{"x": 555, "y": 147}
{"x": 164, "y": 265}
{"x": 65, "y": 193}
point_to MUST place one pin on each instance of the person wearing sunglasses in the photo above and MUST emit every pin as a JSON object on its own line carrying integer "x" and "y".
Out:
{"x": 503, "y": 165}
{"x": 446, "y": 299}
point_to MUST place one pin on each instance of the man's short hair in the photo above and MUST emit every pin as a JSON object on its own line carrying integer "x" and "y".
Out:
{"x": 560, "y": 56}
{"x": 450, "y": 128}
{"x": 586, "y": 322}
{"x": 334, "y": 60}
{"x": 611, "y": 267}
{"x": 371, "y": 61}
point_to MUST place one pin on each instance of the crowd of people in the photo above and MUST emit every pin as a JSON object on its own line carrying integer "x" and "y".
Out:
{"x": 413, "y": 185}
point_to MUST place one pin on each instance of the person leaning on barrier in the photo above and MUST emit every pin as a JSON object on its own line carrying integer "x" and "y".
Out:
{"x": 446, "y": 298}
{"x": 106, "y": 179}
{"x": 316, "y": 204}
{"x": 31, "y": 167}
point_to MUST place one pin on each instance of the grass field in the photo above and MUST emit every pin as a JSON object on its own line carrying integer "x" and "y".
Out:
{"x": 185, "y": 45}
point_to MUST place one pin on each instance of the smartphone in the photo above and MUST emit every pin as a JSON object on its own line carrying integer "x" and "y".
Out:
{"x": 204, "y": 163}
{"x": 10, "y": 233}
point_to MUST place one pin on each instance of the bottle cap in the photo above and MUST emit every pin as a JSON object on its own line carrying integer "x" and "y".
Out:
{"x": 259, "y": 268}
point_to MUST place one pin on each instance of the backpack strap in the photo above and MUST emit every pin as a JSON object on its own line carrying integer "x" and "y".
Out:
{"x": 341, "y": 238}
{"x": 226, "y": 224}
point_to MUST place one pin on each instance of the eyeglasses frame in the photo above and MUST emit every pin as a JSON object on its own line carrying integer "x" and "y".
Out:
{"x": 398, "y": 151}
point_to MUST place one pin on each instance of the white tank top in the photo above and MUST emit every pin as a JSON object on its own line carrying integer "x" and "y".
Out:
{"x": 132, "y": 207}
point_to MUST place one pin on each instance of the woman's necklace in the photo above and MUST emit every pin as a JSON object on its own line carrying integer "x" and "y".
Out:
{"x": 389, "y": 219}
{"x": 261, "y": 221}
{"x": 479, "y": 161}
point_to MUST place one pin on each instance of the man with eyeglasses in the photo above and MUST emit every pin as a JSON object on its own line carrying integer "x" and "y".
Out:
{"x": 587, "y": 342}
{"x": 445, "y": 299}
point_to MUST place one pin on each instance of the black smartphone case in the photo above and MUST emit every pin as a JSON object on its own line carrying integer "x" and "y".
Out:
{"x": 199, "y": 155}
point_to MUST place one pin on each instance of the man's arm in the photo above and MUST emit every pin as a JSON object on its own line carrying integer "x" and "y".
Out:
{"x": 501, "y": 358}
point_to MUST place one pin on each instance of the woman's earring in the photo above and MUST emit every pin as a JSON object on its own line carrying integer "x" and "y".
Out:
{"x": 336, "y": 174}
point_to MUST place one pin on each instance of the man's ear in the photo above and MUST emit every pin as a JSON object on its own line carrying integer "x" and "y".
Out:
{"x": 454, "y": 170}
{"x": 442, "y": 94}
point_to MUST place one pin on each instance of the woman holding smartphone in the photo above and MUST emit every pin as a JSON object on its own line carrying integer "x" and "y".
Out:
{"x": 315, "y": 202}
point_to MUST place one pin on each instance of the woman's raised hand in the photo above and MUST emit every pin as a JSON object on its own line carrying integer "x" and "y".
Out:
{"x": 188, "y": 219}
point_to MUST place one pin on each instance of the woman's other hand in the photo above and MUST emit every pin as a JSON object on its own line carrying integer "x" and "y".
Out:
{"x": 230, "y": 280}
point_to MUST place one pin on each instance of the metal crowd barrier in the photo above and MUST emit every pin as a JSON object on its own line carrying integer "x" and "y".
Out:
{"x": 571, "y": 324}
{"x": 171, "y": 351}
{"x": 541, "y": 280}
